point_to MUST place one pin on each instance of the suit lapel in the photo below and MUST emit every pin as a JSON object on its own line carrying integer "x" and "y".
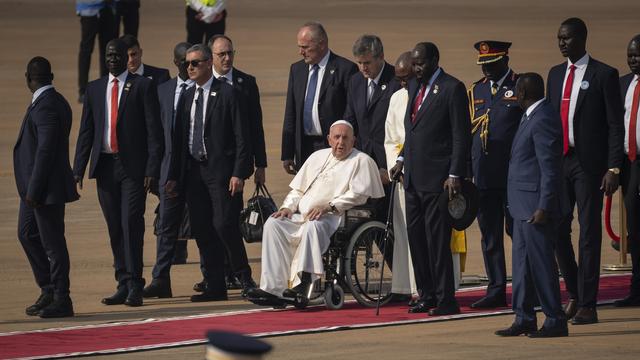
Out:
{"x": 433, "y": 94}
{"x": 382, "y": 85}
{"x": 212, "y": 101}
{"x": 588, "y": 76}
{"x": 558, "y": 82}
{"x": 128, "y": 84}
{"x": 301, "y": 88}
{"x": 327, "y": 78}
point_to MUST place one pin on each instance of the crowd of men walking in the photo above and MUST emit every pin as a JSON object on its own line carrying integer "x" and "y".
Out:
{"x": 193, "y": 140}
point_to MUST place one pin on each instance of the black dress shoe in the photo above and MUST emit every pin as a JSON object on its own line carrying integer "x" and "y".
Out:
{"x": 585, "y": 316}
{"x": 233, "y": 283}
{"x": 209, "y": 296}
{"x": 489, "y": 303}
{"x": 559, "y": 331}
{"x": 247, "y": 284}
{"x": 445, "y": 310}
{"x": 422, "y": 306}
{"x": 302, "y": 289}
{"x": 570, "y": 308}
{"x": 59, "y": 308}
{"x": 258, "y": 293}
{"x": 160, "y": 288}
{"x": 135, "y": 297}
{"x": 200, "y": 286}
{"x": 118, "y": 298}
{"x": 44, "y": 299}
{"x": 631, "y": 300}
{"x": 517, "y": 330}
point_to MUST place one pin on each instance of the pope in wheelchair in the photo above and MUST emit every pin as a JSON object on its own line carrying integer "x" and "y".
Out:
{"x": 295, "y": 238}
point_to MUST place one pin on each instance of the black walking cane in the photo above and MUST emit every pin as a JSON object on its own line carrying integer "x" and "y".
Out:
{"x": 388, "y": 230}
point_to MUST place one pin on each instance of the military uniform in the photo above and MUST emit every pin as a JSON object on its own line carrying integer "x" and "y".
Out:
{"x": 495, "y": 118}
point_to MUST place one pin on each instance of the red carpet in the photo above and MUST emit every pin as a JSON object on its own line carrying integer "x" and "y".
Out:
{"x": 162, "y": 333}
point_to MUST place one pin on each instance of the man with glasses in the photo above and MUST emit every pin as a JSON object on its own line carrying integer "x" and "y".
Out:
{"x": 214, "y": 160}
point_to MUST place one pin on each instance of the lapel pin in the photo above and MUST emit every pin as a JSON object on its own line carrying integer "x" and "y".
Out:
{"x": 150, "y": 77}
{"x": 383, "y": 87}
{"x": 127, "y": 86}
{"x": 509, "y": 93}
{"x": 331, "y": 71}
{"x": 240, "y": 80}
{"x": 435, "y": 89}
{"x": 213, "y": 93}
{"x": 584, "y": 85}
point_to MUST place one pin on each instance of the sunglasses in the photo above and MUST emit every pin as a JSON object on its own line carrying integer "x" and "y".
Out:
{"x": 195, "y": 63}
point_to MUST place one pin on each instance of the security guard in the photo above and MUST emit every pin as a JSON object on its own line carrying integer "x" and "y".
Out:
{"x": 495, "y": 116}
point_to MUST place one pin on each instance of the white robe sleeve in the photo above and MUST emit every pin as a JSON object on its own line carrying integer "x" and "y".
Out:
{"x": 364, "y": 183}
{"x": 292, "y": 200}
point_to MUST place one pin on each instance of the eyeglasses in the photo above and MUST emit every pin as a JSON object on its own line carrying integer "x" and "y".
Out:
{"x": 195, "y": 63}
{"x": 229, "y": 53}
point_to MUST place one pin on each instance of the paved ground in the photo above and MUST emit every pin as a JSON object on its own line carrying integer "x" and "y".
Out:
{"x": 264, "y": 37}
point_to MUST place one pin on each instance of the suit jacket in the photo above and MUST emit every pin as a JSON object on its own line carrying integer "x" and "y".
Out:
{"x": 166, "y": 94}
{"x": 598, "y": 127}
{"x": 369, "y": 119}
{"x": 535, "y": 168}
{"x": 41, "y": 153}
{"x": 437, "y": 143}
{"x": 138, "y": 128}
{"x": 225, "y": 136}
{"x": 156, "y": 74}
{"x": 490, "y": 165}
{"x": 246, "y": 85}
{"x": 332, "y": 102}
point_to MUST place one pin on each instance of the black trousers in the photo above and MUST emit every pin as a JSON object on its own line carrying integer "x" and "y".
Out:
{"x": 102, "y": 26}
{"x": 128, "y": 12}
{"x": 170, "y": 219}
{"x": 583, "y": 189}
{"x": 122, "y": 200}
{"x": 430, "y": 246}
{"x": 492, "y": 216}
{"x": 199, "y": 32}
{"x": 214, "y": 224}
{"x": 630, "y": 190}
{"x": 41, "y": 234}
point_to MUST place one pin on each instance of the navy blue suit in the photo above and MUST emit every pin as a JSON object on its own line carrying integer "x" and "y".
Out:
{"x": 120, "y": 177}
{"x": 598, "y": 137}
{"x": 534, "y": 182}
{"x": 155, "y": 74}
{"x": 436, "y": 145}
{"x": 246, "y": 85}
{"x": 332, "y": 102}
{"x": 490, "y": 163}
{"x": 43, "y": 175}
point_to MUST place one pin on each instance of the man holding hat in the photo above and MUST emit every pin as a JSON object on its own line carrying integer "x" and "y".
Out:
{"x": 495, "y": 116}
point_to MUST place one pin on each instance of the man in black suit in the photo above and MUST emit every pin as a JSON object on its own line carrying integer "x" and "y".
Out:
{"x": 495, "y": 116}
{"x": 368, "y": 98}
{"x": 135, "y": 65}
{"x": 45, "y": 183}
{"x": 121, "y": 133}
{"x": 214, "y": 161}
{"x": 533, "y": 186}
{"x": 171, "y": 208}
{"x": 434, "y": 156}
{"x": 316, "y": 96}
{"x": 630, "y": 89}
{"x": 586, "y": 94}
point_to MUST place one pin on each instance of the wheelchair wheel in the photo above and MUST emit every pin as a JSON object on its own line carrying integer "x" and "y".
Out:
{"x": 334, "y": 297}
{"x": 363, "y": 264}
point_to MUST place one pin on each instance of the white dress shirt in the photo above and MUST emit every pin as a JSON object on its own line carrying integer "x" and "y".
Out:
{"x": 429, "y": 85}
{"x": 628, "y": 101}
{"x": 501, "y": 79}
{"x": 106, "y": 139}
{"x": 376, "y": 82}
{"x": 205, "y": 94}
{"x": 228, "y": 75}
{"x": 39, "y": 92}
{"x": 533, "y": 107}
{"x": 140, "y": 70}
{"x": 315, "y": 115}
{"x": 581, "y": 68}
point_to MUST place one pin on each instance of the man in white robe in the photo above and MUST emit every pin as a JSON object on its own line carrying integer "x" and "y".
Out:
{"x": 294, "y": 239}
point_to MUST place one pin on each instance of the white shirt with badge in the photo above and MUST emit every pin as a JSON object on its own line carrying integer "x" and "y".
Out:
{"x": 206, "y": 89}
{"x": 581, "y": 68}
{"x": 228, "y": 75}
{"x": 628, "y": 102}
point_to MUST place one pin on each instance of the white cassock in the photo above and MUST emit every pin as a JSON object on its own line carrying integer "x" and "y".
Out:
{"x": 291, "y": 246}
{"x": 402, "y": 280}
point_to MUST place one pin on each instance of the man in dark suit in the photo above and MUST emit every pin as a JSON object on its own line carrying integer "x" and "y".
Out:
{"x": 630, "y": 89}
{"x": 135, "y": 65}
{"x": 45, "y": 183}
{"x": 316, "y": 96}
{"x": 533, "y": 186}
{"x": 121, "y": 133}
{"x": 171, "y": 208}
{"x": 434, "y": 155}
{"x": 214, "y": 161}
{"x": 368, "y": 98}
{"x": 495, "y": 116}
{"x": 586, "y": 94}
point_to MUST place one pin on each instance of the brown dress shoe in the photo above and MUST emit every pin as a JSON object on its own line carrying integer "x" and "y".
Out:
{"x": 570, "y": 308}
{"x": 585, "y": 316}
{"x": 559, "y": 331}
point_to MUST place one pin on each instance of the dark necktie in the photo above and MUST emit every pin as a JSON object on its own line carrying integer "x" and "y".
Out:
{"x": 308, "y": 101}
{"x": 418, "y": 102}
{"x": 370, "y": 91}
{"x": 494, "y": 89}
{"x": 197, "y": 147}
{"x": 183, "y": 86}
{"x": 223, "y": 79}
{"x": 564, "y": 108}
{"x": 633, "y": 123}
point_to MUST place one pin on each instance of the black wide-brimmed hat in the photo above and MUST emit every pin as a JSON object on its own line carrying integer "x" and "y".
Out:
{"x": 462, "y": 209}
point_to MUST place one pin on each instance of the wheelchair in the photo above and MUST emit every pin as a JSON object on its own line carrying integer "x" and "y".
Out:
{"x": 353, "y": 262}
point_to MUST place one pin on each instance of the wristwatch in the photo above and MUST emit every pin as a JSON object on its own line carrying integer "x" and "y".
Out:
{"x": 333, "y": 208}
{"x": 615, "y": 171}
